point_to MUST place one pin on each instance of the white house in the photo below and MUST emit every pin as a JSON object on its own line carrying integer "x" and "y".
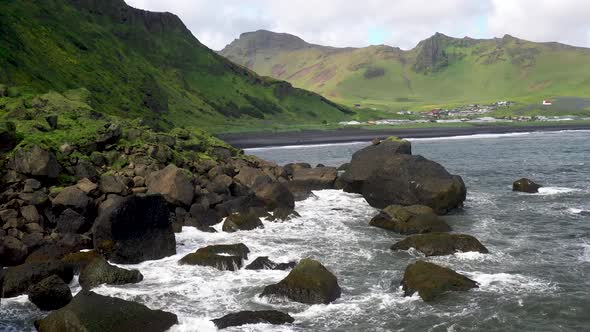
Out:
{"x": 547, "y": 102}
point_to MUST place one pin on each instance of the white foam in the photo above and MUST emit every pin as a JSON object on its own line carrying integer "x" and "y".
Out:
{"x": 585, "y": 256}
{"x": 283, "y": 147}
{"x": 474, "y": 136}
{"x": 510, "y": 283}
{"x": 556, "y": 190}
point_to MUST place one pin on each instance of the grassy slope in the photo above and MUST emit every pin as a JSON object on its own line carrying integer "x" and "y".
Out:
{"x": 142, "y": 64}
{"x": 478, "y": 71}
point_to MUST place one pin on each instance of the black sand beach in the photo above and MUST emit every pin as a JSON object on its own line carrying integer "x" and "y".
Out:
{"x": 344, "y": 135}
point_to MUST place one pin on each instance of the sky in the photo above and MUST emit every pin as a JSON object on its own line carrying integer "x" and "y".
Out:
{"x": 401, "y": 23}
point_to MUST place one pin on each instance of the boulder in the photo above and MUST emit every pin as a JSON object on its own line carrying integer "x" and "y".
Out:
{"x": 79, "y": 260}
{"x": 90, "y": 312}
{"x": 525, "y": 185}
{"x": 112, "y": 184}
{"x": 222, "y": 257}
{"x": 252, "y": 177}
{"x": 431, "y": 281}
{"x": 87, "y": 186}
{"x": 276, "y": 196}
{"x": 291, "y": 168}
{"x": 241, "y": 222}
{"x": 253, "y": 317}
{"x": 12, "y": 251}
{"x": 35, "y": 161}
{"x": 440, "y": 244}
{"x": 8, "y": 137}
{"x": 307, "y": 179}
{"x": 30, "y": 213}
{"x": 309, "y": 282}
{"x": 99, "y": 272}
{"x": 70, "y": 221}
{"x": 50, "y": 293}
{"x": 413, "y": 219}
{"x": 72, "y": 197}
{"x": 174, "y": 183}
{"x": 135, "y": 229}
{"x": 17, "y": 279}
{"x": 67, "y": 243}
{"x": 263, "y": 263}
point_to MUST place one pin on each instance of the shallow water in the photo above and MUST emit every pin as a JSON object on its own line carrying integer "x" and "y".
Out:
{"x": 535, "y": 278}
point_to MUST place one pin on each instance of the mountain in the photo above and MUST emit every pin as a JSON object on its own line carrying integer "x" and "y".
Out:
{"x": 440, "y": 70}
{"x": 140, "y": 64}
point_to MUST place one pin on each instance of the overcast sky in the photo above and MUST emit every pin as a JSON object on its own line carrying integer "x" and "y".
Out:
{"x": 400, "y": 23}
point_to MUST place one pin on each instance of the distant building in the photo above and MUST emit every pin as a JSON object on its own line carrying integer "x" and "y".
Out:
{"x": 547, "y": 102}
{"x": 357, "y": 105}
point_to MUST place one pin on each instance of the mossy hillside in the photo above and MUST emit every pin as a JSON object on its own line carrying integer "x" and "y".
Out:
{"x": 142, "y": 64}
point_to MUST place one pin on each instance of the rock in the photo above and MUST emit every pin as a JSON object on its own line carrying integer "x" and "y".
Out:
{"x": 263, "y": 263}
{"x": 276, "y": 196}
{"x": 33, "y": 228}
{"x": 440, "y": 244}
{"x": 138, "y": 181}
{"x": 33, "y": 240}
{"x": 8, "y": 137}
{"x": 70, "y": 221}
{"x": 50, "y": 293}
{"x": 35, "y": 161}
{"x": 220, "y": 184}
{"x": 431, "y": 281}
{"x": 135, "y": 229}
{"x": 68, "y": 243}
{"x": 8, "y": 215}
{"x": 12, "y": 251}
{"x": 308, "y": 179}
{"x": 99, "y": 272}
{"x": 526, "y": 186}
{"x": 222, "y": 257}
{"x": 72, "y": 197}
{"x": 241, "y": 222}
{"x": 79, "y": 260}
{"x": 87, "y": 186}
{"x": 111, "y": 184}
{"x": 52, "y": 121}
{"x": 35, "y": 198}
{"x": 291, "y": 168}
{"x": 84, "y": 169}
{"x": 413, "y": 219}
{"x": 253, "y": 317}
{"x": 309, "y": 282}
{"x": 30, "y": 213}
{"x": 173, "y": 183}
{"x": 204, "y": 216}
{"x": 252, "y": 177}
{"x": 17, "y": 279}
{"x": 90, "y": 312}
{"x": 31, "y": 185}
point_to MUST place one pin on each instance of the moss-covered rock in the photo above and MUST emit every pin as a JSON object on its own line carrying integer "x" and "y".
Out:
{"x": 525, "y": 185}
{"x": 253, "y": 317}
{"x": 36, "y": 161}
{"x": 440, "y": 244}
{"x": 414, "y": 219}
{"x": 18, "y": 279}
{"x": 241, "y": 222}
{"x": 309, "y": 282}
{"x": 223, "y": 256}
{"x": 432, "y": 281}
{"x": 99, "y": 272}
{"x": 50, "y": 293}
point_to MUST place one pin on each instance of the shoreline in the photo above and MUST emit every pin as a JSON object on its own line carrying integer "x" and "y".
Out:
{"x": 350, "y": 135}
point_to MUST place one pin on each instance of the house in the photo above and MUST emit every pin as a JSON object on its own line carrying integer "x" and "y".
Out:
{"x": 547, "y": 102}
{"x": 357, "y": 105}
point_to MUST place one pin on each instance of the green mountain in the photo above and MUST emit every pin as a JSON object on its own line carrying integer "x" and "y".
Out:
{"x": 439, "y": 71}
{"x": 140, "y": 64}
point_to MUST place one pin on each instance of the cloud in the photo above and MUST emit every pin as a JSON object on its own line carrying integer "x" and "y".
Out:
{"x": 400, "y": 23}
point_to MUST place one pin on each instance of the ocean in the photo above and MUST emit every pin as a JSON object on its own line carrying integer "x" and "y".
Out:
{"x": 535, "y": 278}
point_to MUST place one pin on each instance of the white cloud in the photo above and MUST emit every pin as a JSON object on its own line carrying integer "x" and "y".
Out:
{"x": 402, "y": 23}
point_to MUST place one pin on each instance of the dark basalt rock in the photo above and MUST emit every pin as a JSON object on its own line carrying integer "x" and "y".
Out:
{"x": 525, "y": 185}
{"x": 90, "y": 312}
{"x": 18, "y": 279}
{"x": 100, "y": 272}
{"x": 440, "y": 244}
{"x": 253, "y": 317}
{"x": 35, "y": 161}
{"x": 431, "y": 281}
{"x": 50, "y": 293}
{"x": 309, "y": 282}
{"x": 263, "y": 263}
{"x": 174, "y": 183}
{"x": 308, "y": 179}
{"x": 79, "y": 260}
{"x": 12, "y": 251}
{"x": 241, "y": 222}
{"x": 222, "y": 257}
{"x": 414, "y": 219}
{"x": 135, "y": 229}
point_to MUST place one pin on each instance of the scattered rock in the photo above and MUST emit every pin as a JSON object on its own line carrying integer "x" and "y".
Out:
{"x": 308, "y": 179}
{"x": 72, "y": 197}
{"x": 52, "y": 121}
{"x": 309, "y": 282}
{"x": 431, "y": 281}
{"x": 173, "y": 183}
{"x": 263, "y": 263}
{"x": 70, "y": 221}
{"x": 87, "y": 186}
{"x": 413, "y": 219}
{"x": 440, "y": 244}
{"x": 99, "y": 272}
{"x": 30, "y": 213}
{"x": 222, "y": 257}
{"x": 91, "y": 312}
{"x": 135, "y": 229}
{"x": 112, "y": 184}
{"x": 17, "y": 279}
{"x": 241, "y": 222}
{"x": 35, "y": 161}
{"x": 50, "y": 293}
{"x": 253, "y": 317}
{"x": 525, "y": 185}
{"x": 276, "y": 196}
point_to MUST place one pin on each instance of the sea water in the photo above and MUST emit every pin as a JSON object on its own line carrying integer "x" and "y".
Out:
{"x": 535, "y": 278}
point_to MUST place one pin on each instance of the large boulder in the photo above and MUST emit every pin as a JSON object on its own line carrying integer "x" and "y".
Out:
{"x": 276, "y": 196}
{"x": 431, "y": 281}
{"x": 221, "y": 256}
{"x": 50, "y": 293}
{"x": 264, "y": 263}
{"x": 413, "y": 219}
{"x": 72, "y": 197}
{"x": 18, "y": 279}
{"x": 387, "y": 174}
{"x": 525, "y": 185}
{"x": 35, "y": 161}
{"x": 440, "y": 244}
{"x": 12, "y": 251}
{"x": 309, "y": 282}
{"x": 99, "y": 272}
{"x": 8, "y": 137}
{"x": 90, "y": 312}
{"x": 135, "y": 229}
{"x": 241, "y": 222}
{"x": 253, "y": 317}
{"x": 175, "y": 184}
{"x": 252, "y": 177}
{"x": 307, "y": 179}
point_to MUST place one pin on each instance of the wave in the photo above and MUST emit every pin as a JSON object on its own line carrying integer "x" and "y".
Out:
{"x": 474, "y": 136}
{"x": 506, "y": 283}
{"x": 556, "y": 190}
{"x": 283, "y": 147}
{"x": 585, "y": 256}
